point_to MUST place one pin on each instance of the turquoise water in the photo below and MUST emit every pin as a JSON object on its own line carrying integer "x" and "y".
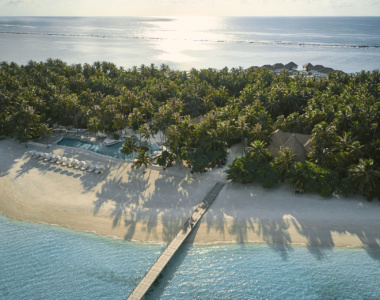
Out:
{"x": 113, "y": 150}
{"x": 47, "y": 262}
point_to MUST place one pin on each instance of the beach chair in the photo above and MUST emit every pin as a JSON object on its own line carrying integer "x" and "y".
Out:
{"x": 65, "y": 161}
{"x": 80, "y": 164}
{"x": 91, "y": 168}
{"x": 74, "y": 163}
{"x": 99, "y": 169}
{"x": 54, "y": 159}
{"x": 85, "y": 166}
{"x": 32, "y": 152}
{"x": 49, "y": 157}
{"x": 37, "y": 154}
{"x": 59, "y": 160}
{"x": 42, "y": 156}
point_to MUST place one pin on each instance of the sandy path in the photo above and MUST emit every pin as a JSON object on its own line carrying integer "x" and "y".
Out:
{"x": 152, "y": 206}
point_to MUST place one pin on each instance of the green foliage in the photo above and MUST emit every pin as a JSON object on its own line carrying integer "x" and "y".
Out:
{"x": 163, "y": 159}
{"x": 142, "y": 159}
{"x": 313, "y": 178}
{"x": 267, "y": 175}
{"x": 242, "y": 170}
{"x": 202, "y": 108}
{"x": 345, "y": 187}
{"x": 203, "y": 158}
{"x": 258, "y": 152}
{"x": 129, "y": 147}
{"x": 198, "y": 160}
{"x": 284, "y": 164}
{"x": 246, "y": 170}
{"x": 365, "y": 177}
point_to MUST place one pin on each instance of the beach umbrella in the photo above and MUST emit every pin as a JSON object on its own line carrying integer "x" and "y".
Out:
{"x": 59, "y": 159}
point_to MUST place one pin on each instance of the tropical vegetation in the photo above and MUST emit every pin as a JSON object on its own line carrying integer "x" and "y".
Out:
{"x": 200, "y": 113}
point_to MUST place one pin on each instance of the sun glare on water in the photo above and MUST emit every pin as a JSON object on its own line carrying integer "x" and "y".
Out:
{"x": 176, "y": 38}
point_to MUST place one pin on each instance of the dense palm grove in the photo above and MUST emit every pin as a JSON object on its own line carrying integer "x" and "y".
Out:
{"x": 200, "y": 112}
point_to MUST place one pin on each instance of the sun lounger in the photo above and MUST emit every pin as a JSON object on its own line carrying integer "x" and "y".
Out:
{"x": 37, "y": 154}
{"x": 49, "y": 157}
{"x": 42, "y": 156}
{"x": 65, "y": 161}
{"x": 54, "y": 159}
{"x": 91, "y": 168}
{"x": 74, "y": 162}
{"x": 69, "y": 162}
{"x": 85, "y": 166}
{"x": 59, "y": 160}
{"x": 32, "y": 152}
{"x": 99, "y": 169}
{"x": 80, "y": 164}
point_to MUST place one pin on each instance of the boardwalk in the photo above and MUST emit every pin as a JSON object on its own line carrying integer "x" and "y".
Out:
{"x": 165, "y": 257}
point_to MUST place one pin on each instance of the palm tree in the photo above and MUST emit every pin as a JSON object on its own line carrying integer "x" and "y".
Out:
{"x": 174, "y": 136}
{"x": 224, "y": 129}
{"x": 285, "y": 161}
{"x": 142, "y": 159}
{"x": 258, "y": 152}
{"x": 145, "y": 131}
{"x": 129, "y": 147}
{"x": 242, "y": 128}
{"x": 365, "y": 176}
{"x": 136, "y": 117}
{"x": 45, "y": 131}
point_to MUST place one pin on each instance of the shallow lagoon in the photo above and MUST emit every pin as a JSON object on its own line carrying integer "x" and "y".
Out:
{"x": 47, "y": 262}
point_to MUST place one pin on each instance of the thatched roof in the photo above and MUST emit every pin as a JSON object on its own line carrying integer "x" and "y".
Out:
{"x": 291, "y": 65}
{"x": 299, "y": 143}
{"x": 297, "y": 147}
{"x": 318, "y": 67}
{"x": 308, "y": 145}
{"x": 307, "y": 66}
{"x": 326, "y": 70}
{"x": 278, "y": 66}
{"x": 269, "y": 67}
{"x": 278, "y": 138}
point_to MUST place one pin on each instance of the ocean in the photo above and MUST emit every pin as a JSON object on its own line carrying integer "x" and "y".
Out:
{"x": 47, "y": 262}
{"x": 349, "y": 44}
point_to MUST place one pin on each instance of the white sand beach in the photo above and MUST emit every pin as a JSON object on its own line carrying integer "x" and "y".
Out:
{"x": 151, "y": 207}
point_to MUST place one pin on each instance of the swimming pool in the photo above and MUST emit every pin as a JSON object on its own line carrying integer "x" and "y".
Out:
{"x": 113, "y": 150}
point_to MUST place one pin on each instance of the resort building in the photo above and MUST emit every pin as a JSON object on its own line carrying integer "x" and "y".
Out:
{"x": 299, "y": 143}
{"x": 291, "y": 66}
{"x": 277, "y": 68}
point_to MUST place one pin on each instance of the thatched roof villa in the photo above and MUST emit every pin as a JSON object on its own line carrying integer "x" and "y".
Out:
{"x": 299, "y": 143}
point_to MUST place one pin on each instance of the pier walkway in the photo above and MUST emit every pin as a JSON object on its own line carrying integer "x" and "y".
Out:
{"x": 152, "y": 274}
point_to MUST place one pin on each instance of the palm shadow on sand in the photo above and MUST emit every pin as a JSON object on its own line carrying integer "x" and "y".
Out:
{"x": 130, "y": 195}
{"x": 275, "y": 230}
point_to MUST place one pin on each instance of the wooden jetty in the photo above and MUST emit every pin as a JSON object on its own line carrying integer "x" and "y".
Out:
{"x": 152, "y": 274}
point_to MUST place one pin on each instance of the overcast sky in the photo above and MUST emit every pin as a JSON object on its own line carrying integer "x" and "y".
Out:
{"x": 190, "y": 7}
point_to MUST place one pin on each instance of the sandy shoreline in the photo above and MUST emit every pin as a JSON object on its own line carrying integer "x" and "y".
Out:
{"x": 152, "y": 206}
